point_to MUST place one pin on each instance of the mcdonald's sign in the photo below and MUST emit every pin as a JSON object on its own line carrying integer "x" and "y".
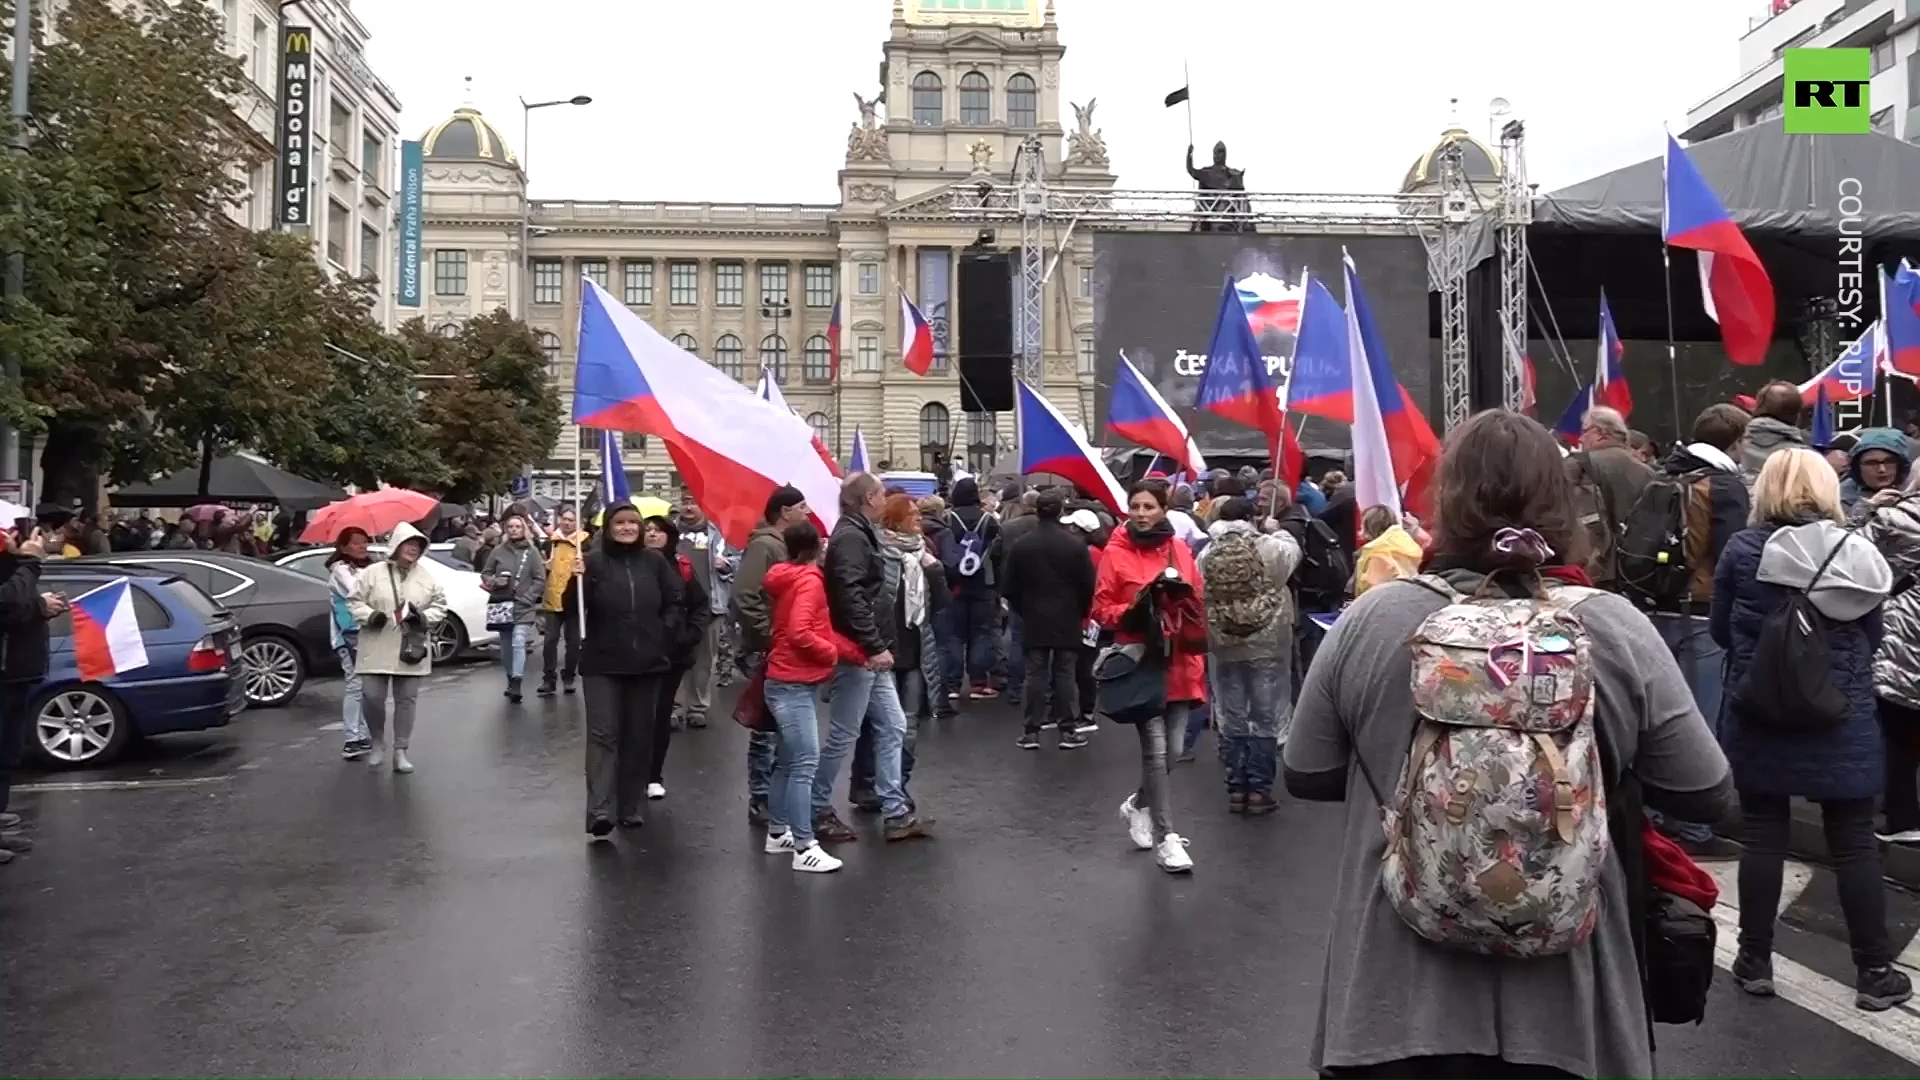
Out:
{"x": 296, "y": 124}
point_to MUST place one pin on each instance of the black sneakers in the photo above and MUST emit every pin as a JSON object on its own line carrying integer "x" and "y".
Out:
{"x": 1071, "y": 739}
{"x": 1028, "y": 740}
{"x": 1881, "y": 988}
{"x": 1753, "y": 973}
{"x": 547, "y": 688}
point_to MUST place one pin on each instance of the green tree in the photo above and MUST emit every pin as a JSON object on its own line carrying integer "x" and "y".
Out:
{"x": 487, "y": 400}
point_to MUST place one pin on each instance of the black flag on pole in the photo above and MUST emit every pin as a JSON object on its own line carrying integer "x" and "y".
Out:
{"x": 1177, "y": 97}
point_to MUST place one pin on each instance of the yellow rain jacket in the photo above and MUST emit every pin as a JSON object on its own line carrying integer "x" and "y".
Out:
{"x": 566, "y": 552}
{"x": 1392, "y": 555}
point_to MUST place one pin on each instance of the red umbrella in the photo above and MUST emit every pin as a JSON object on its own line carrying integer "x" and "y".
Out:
{"x": 377, "y": 512}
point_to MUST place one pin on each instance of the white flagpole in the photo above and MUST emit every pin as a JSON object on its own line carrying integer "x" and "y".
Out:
{"x": 1883, "y": 385}
{"x": 579, "y": 556}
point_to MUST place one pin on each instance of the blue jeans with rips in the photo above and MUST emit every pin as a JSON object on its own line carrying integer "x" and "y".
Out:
{"x": 1701, "y": 660}
{"x": 790, "y": 792}
{"x": 859, "y": 694}
{"x": 1253, "y": 710}
{"x": 515, "y": 643}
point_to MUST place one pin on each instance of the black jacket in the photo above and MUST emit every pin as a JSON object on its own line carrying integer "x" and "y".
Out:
{"x": 966, "y": 515}
{"x": 696, "y": 614}
{"x": 857, "y": 585}
{"x": 906, "y": 643}
{"x": 635, "y": 610}
{"x": 1049, "y": 584}
{"x": 23, "y": 622}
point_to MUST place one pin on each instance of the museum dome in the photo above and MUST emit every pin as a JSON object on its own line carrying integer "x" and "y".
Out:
{"x": 1479, "y": 164}
{"x": 466, "y": 136}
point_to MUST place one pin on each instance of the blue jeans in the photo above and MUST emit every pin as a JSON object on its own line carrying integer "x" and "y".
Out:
{"x": 789, "y": 794}
{"x": 859, "y": 694}
{"x": 1253, "y": 711}
{"x": 515, "y": 643}
{"x": 761, "y": 747}
{"x": 970, "y": 640}
{"x": 1700, "y": 661}
{"x": 353, "y": 719}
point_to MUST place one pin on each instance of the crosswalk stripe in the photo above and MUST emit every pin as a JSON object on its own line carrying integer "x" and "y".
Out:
{"x": 1896, "y": 1031}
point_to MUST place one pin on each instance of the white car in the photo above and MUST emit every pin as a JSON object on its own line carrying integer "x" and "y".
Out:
{"x": 465, "y": 628}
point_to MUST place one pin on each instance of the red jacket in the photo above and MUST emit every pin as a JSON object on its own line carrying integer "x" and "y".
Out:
{"x": 1124, "y": 571}
{"x": 805, "y": 646}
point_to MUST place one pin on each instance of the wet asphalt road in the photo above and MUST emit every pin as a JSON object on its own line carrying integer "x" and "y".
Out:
{"x": 254, "y": 906}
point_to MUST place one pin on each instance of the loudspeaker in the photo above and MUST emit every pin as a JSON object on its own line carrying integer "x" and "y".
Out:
{"x": 986, "y": 332}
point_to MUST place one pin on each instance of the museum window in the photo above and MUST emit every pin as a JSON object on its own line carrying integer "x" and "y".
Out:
{"x": 685, "y": 341}
{"x": 1088, "y": 358}
{"x": 773, "y": 284}
{"x": 449, "y": 273}
{"x": 819, "y": 285}
{"x": 369, "y": 252}
{"x": 683, "y": 284}
{"x": 980, "y": 442}
{"x": 639, "y": 284}
{"x": 1086, "y": 281}
{"x": 549, "y": 281}
{"x": 773, "y": 357}
{"x": 729, "y": 284}
{"x": 976, "y": 100}
{"x": 589, "y": 439}
{"x": 869, "y": 279}
{"x": 730, "y": 356}
{"x": 550, "y": 348}
{"x": 866, "y": 353}
{"x": 822, "y": 426}
{"x": 934, "y": 433}
{"x": 817, "y": 360}
{"x": 1023, "y": 102}
{"x": 633, "y": 442}
{"x": 926, "y": 100}
{"x": 594, "y": 270}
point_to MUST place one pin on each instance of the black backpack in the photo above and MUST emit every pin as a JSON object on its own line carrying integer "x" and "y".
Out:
{"x": 1788, "y": 687}
{"x": 1651, "y": 557}
{"x": 1325, "y": 572}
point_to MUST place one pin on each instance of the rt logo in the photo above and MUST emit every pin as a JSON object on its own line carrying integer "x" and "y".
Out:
{"x": 1827, "y": 91}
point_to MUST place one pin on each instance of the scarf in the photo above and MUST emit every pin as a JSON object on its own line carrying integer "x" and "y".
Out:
{"x": 905, "y": 549}
{"x": 1151, "y": 538}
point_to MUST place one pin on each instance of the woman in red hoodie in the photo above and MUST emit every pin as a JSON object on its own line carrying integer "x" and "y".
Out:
{"x": 802, "y": 656}
{"x": 1143, "y": 573}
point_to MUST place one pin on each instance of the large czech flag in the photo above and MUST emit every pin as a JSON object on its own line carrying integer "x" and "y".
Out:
{"x": 1138, "y": 412}
{"x": 769, "y": 391}
{"x": 1051, "y": 445}
{"x": 1734, "y": 285}
{"x": 916, "y": 337}
{"x": 1854, "y": 374}
{"x": 1236, "y": 386}
{"x": 106, "y": 635}
{"x": 732, "y": 448}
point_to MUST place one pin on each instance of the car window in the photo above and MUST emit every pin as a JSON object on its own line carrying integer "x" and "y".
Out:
{"x": 225, "y": 581}
{"x": 147, "y": 613}
{"x": 199, "y": 573}
{"x": 313, "y": 564}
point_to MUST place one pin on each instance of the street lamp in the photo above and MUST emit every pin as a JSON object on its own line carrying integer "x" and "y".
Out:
{"x": 526, "y": 193}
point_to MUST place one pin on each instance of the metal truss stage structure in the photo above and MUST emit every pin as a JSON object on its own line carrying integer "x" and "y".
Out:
{"x": 1444, "y": 222}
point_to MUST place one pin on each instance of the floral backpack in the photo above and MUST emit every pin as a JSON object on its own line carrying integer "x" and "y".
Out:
{"x": 1497, "y": 831}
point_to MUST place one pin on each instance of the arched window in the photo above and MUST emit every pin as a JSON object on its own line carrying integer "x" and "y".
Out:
{"x": 550, "y": 348}
{"x": 685, "y": 341}
{"x": 980, "y": 442}
{"x": 926, "y": 100}
{"x": 773, "y": 357}
{"x": 448, "y": 329}
{"x": 1023, "y": 103}
{"x": 822, "y": 426}
{"x": 934, "y": 430}
{"x": 728, "y": 356}
{"x": 976, "y": 100}
{"x": 817, "y": 360}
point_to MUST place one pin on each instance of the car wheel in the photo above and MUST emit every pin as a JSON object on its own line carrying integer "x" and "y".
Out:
{"x": 449, "y": 640}
{"x": 78, "y": 726}
{"x": 274, "y": 670}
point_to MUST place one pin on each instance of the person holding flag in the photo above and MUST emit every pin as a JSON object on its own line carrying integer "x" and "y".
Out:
{"x": 24, "y": 612}
{"x": 560, "y": 607}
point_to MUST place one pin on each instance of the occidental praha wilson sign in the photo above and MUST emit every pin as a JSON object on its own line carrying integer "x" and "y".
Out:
{"x": 296, "y": 124}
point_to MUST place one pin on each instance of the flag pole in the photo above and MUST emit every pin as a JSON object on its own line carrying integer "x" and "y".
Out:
{"x": 579, "y": 509}
{"x": 1880, "y": 378}
{"x": 1187, "y": 80}
{"x": 1673, "y": 362}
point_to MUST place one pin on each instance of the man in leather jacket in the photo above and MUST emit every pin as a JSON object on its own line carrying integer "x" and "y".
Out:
{"x": 24, "y": 612}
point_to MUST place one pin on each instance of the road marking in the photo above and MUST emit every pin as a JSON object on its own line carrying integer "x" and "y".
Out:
{"x": 1896, "y": 1031}
{"x": 120, "y": 785}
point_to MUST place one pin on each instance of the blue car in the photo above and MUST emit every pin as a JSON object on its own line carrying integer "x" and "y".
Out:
{"x": 189, "y": 683}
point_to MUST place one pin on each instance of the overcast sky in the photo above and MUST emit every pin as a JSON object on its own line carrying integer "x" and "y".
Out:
{"x": 749, "y": 100}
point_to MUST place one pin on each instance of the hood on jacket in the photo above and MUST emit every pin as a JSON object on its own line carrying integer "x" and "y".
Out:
{"x": 404, "y": 532}
{"x": 616, "y": 549}
{"x": 1696, "y": 456}
{"x": 1855, "y": 581}
{"x": 1883, "y": 439}
{"x": 1222, "y": 528}
{"x": 784, "y": 577}
{"x": 966, "y": 492}
{"x": 1765, "y": 435}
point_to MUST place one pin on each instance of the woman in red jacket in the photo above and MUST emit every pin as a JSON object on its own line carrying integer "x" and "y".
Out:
{"x": 1141, "y": 571}
{"x": 801, "y": 657}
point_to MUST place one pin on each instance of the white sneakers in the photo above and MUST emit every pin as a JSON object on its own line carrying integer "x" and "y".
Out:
{"x": 780, "y": 843}
{"x": 400, "y": 762}
{"x": 656, "y": 791}
{"x": 376, "y": 757}
{"x": 1172, "y": 855}
{"x": 1139, "y": 824}
{"x": 1905, "y": 836}
{"x": 812, "y": 859}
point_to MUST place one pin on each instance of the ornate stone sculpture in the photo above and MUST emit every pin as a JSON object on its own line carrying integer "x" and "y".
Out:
{"x": 866, "y": 141}
{"x": 982, "y": 154}
{"x": 869, "y": 193}
{"x": 1085, "y": 146}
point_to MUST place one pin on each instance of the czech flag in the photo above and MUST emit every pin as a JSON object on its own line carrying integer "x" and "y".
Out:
{"x": 1322, "y": 380}
{"x": 770, "y": 391}
{"x": 859, "y": 461}
{"x": 1235, "y": 386}
{"x": 1394, "y": 448}
{"x": 1271, "y": 304}
{"x": 1138, "y": 412}
{"x": 833, "y": 339}
{"x": 1902, "y": 319}
{"x": 1609, "y": 374}
{"x": 732, "y": 447}
{"x": 916, "y": 338}
{"x": 106, "y": 635}
{"x": 1734, "y": 284}
{"x": 614, "y": 489}
{"x": 1049, "y": 444}
{"x": 1573, "y": 419}
{"x": 1821, "y": 436}
{"x": 1854, "y": 374}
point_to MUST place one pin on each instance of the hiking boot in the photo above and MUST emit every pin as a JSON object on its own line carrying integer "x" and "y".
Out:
{"x": 757, "y": 810}
{"x": 905, "y": 827}
{"x": 1259, "y": 802}
{"x": 1753, "y": 973}
{"x": 829, "y": 829}
{"x": 547, "y": 688}
{"x": 1881, "y": 988}
{"x": 1236, "y": 802}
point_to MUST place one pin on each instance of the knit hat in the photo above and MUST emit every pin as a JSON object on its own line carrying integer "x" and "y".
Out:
{"x": 783, "y": 498}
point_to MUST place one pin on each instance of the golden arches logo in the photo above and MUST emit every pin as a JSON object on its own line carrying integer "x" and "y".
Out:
{"x": 300, "y": 41}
